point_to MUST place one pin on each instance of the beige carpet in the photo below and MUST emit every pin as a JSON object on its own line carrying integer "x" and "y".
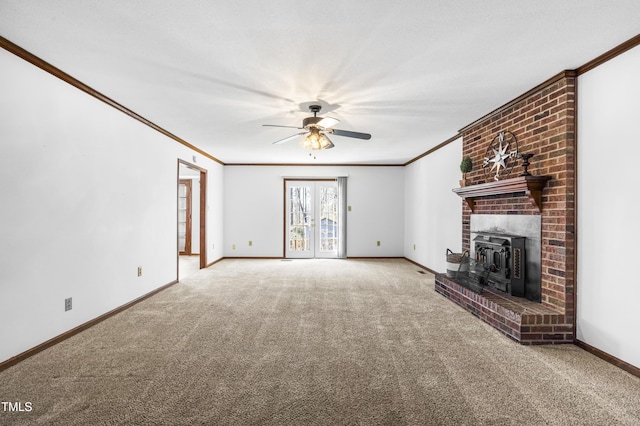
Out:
{"x": 311, "y": 342}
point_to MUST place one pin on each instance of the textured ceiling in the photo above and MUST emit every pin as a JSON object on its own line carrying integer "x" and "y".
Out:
{"x": 410, "y": 72}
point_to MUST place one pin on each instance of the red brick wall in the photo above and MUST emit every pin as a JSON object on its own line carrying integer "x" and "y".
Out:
{"x": 543, "y": 121}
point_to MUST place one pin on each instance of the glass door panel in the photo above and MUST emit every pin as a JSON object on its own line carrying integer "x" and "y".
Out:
{"x": 327, "y": 232}
{"x": 184, "y": 216}
{"x": 299, "y": 220}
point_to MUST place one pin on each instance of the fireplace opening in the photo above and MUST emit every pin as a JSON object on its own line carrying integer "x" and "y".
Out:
{"x": 504, "y": 254}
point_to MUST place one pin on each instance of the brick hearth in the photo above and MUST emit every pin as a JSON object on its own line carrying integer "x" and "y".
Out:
{"x": 522, "y": 320}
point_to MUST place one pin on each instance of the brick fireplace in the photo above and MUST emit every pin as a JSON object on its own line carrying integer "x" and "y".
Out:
{"x": 543, "y": 121}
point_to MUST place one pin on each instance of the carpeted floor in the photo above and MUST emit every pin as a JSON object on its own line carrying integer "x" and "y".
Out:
{"x": 311, "y": 342}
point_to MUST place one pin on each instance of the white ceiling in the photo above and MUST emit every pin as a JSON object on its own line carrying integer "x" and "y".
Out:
{"x": 410, "y": 72}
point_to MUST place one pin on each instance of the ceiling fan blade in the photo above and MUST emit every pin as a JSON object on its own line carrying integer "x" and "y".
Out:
{"x": 288, "y": 138}
{"x": 277, "y": 125}
{"x": 327, "y": 122}
{"x": 349, "y": 134}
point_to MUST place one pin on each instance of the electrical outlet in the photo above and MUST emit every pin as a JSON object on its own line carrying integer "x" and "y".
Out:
{"x": 250, "y": 243}
{"x": 233, "y": 247}
{"x": 378, "y": 243}
{"x": 139, "y": 271}
{"x": 414, "y": 247}
{"x": 67, "y": 304}
{"x": 348, "y": 208}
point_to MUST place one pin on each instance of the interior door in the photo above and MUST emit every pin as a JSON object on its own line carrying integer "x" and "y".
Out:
{"x": 312, "y": 219}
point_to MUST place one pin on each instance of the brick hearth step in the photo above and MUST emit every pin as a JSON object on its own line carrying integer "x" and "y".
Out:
{"x": 522, "y": 320}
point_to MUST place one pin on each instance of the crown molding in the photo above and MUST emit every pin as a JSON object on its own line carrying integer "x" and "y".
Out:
{"x": 311, "y": 165}
{"x": 607, "y": 56}
{"x": 435, "y": 148}
{"x": 56, "y": 72}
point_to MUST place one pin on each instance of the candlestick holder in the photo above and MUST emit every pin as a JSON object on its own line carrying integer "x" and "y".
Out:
{"x": 525, "y": 164}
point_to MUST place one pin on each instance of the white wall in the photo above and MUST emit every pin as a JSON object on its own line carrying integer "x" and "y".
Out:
{"x": 433, "y": 213}
{"x": 88, "y": 195}
{"x": 254, "y": 208}
{"x": 608, "y": 287}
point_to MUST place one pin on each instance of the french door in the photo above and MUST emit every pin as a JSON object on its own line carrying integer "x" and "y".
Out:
{"x": 312, "y": 219}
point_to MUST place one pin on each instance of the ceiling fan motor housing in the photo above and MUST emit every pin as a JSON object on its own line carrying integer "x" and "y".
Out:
{"x": 310, "y": 121}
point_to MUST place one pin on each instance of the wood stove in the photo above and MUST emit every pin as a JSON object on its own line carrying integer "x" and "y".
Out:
{"x": 500, "y": 262}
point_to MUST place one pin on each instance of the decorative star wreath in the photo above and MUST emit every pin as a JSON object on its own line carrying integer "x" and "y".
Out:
{"x": 501, "y": 156}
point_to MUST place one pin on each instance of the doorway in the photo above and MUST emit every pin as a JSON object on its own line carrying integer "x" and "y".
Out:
{"x": 312, "y": 219}
{"x": 191, "y": 224}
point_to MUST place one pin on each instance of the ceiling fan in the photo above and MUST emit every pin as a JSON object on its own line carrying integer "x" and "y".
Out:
{"x": 317, "y": 128}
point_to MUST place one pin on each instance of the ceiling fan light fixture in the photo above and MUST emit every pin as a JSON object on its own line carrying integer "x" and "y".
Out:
{"x": 325, "y": 143}
{"x": 316, "y": 141}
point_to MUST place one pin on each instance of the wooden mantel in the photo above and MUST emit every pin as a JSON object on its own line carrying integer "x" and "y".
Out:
{"x": 532, "y": 186}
